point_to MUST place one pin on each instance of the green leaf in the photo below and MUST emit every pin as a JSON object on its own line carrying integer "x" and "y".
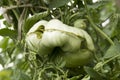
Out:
{"x": 19, "y": 75}
{"x": 4, "y": 43}
{"x": 57, "y": 3}
{"x": 24, "y": 77}
{"x": 93, "y": 73}
{"x": 3, "y": 2}
{"x": 1, "y": 17}
{"x": 32, "y": 20}
{"x": 96, "y": 5}
{"x": 112, "y": 51}
{"x": 75, "y": 77}
{"x": 23, "y": 65}
{"x": 5, "y": 74}
{"x": 2, "y": 62}
{"x": 6, "y": 24}
{"x": 7, "y": 32}
{"x": 113, "y": 28}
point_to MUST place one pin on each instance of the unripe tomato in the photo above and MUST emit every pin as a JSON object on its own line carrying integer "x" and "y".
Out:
{"x": 80, "y": 24}
{"x": 80, "y": 58}
{"x": 45, "y": 36}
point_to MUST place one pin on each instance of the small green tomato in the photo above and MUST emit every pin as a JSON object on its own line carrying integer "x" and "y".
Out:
{"x": 80, "y": 23}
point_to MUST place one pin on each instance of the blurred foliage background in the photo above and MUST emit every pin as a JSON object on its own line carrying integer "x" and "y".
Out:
{"x": 103, "y": 24}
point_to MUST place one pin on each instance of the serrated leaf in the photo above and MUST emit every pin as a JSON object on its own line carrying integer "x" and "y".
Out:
{"x": 112, "y": 51}
{"x": 94, "y": 74}
{"x": 7, "y": 32}
{"x": 32, "y": 20}
{"x": 57, "y": 3}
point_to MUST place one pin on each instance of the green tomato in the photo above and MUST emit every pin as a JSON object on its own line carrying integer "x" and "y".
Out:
{"x": 80, "y": 58}
{"x": 45, "y": 36}
{"x": 80, "y": 23}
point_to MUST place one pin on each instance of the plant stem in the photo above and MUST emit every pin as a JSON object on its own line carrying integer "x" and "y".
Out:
{"x": 101, "y": 65}
{"x": 100, "y": 31}
{"x": 20, "y": 23}
{"x": 112, "y": 58}
{"x": 25, "y": 5}
{"x": 95, "y": 27}
{"x": 74, "y": 15}
{"x": 14, "y": 11}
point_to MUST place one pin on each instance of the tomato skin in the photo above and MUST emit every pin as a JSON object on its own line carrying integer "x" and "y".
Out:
{"x": 33, "y": 37}
{"x": 80, "y": 58}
